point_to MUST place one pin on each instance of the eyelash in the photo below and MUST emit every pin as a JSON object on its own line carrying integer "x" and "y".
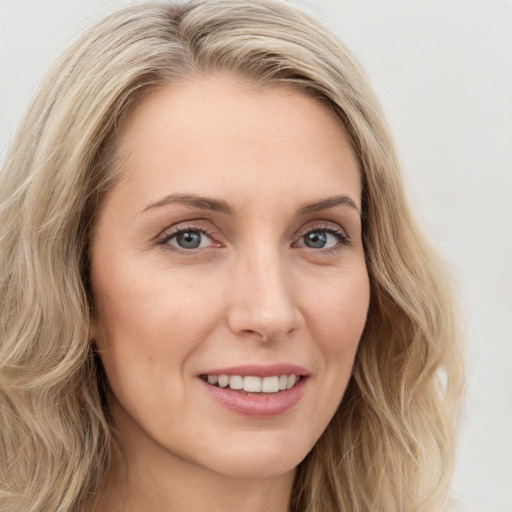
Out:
{"x": 339, "y": 234}
{"x": 168, "y": 235}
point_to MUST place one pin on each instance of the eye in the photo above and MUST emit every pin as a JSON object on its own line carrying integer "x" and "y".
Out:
{"x": 323, "y": 238}
{"x": 188, "y": 239}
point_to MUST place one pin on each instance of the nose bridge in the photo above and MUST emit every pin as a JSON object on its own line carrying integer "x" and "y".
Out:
{"x": 263, "y": 302}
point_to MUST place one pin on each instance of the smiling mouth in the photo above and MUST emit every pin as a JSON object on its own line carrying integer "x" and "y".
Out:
{"x": 253, "y": 384}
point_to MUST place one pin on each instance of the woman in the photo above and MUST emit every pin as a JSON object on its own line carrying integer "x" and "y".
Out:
{"x": 213, "y": 291}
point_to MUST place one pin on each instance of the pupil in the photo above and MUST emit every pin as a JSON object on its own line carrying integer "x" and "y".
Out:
{"x": 189, "y": 239}
{"x": 316, "y": 240}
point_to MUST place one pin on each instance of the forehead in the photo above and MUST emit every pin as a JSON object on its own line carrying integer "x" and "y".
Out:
{"x": 220, "y": 131}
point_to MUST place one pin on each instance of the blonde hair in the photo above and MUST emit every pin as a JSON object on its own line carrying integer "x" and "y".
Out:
{"x": 390, "y": 446}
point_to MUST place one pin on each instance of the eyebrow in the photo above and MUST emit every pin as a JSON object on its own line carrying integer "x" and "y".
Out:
{"x": 325, "y": 204}
{"x": 203, "y": 203}
{"x": 218, "y": 205}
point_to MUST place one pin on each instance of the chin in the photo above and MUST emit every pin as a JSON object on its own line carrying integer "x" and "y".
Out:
{"x": 261, "y": 459}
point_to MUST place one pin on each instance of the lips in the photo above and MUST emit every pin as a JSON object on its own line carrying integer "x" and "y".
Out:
{"x": 263, "y": 391}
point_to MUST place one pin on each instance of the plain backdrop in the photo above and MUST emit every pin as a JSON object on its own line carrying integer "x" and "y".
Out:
{"x": 443, "y": 71}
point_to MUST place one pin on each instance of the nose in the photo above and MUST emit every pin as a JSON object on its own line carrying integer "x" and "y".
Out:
{"x": 263, "y": 303}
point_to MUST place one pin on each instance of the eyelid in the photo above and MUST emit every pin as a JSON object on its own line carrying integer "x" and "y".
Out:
{"x": 325, "y": 226}
{"x": 334, "y": 229}
{"x": 181, "y": 227}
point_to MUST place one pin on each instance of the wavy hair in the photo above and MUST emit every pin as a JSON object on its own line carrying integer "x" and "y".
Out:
{"x": 390, "y": 445}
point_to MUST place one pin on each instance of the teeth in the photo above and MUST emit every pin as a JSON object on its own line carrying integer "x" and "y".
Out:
{"x": 236, "y": 382}
{"x": 252, "y": 384}
{"x": 270, "y": 385}
{"x": 213, "y": 379}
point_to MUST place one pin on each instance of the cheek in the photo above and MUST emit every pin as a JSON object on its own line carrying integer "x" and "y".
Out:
{"x": 338, "y": 315}
{"x": 127, "y": 320}
{"x": 150, "y": 321}
{"x": 144, "y": 341}
{"x": 337, "y": 319}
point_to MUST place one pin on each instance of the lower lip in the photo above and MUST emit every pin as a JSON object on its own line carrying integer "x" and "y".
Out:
{"x": 263, "y": 405}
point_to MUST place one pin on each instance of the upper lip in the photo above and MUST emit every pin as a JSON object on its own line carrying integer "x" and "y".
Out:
{"x": 255, "y": 370}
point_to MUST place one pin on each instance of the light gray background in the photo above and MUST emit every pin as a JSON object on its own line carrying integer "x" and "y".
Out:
{"x": 443, "y": 70}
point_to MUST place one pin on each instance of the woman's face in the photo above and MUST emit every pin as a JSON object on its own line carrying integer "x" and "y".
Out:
{"x": 229, "y": 255}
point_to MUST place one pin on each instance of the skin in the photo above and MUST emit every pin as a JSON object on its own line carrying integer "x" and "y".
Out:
{"x": 254, "y": 292}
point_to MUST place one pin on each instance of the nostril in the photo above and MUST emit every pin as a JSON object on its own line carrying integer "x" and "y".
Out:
{"x": 255, "y": 334}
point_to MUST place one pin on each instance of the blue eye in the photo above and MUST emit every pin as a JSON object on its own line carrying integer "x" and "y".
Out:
{"x": 323, "y": 239}
{"x": 189, "y": 239}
